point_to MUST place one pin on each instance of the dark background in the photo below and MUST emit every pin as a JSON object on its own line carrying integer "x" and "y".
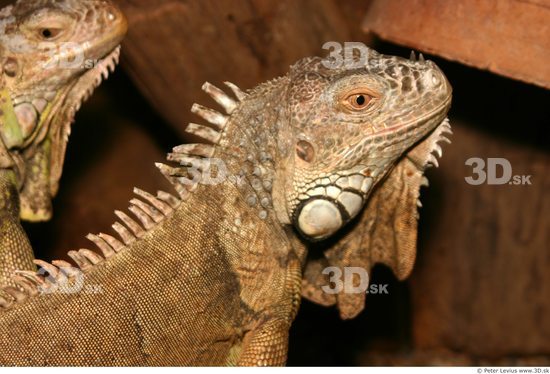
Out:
{"x": 480, "y": 291}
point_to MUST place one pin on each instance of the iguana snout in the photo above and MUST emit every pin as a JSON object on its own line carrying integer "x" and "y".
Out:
{"x": 350, "y": 127}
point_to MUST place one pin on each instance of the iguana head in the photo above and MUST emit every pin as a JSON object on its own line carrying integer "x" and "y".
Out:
{"x": 53, "y": 54}
{"x": 350, "y": 126}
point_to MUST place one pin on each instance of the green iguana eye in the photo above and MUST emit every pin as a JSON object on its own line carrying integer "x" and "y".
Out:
{"x": 46, "y": 33}
{"x": 359, "y": 101}
{"x": 49, "y": 33}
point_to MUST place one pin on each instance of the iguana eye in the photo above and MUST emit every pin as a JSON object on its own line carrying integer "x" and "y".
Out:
{"x": 49, "y": 33}
{"x": 359, "y": 101}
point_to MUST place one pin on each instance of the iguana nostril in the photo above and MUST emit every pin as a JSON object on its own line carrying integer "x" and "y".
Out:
{"x": 435, "y": 79}
{"x": 432, "y": 79}
{"x": 111, "y": 15}
{"x": 305, "y": 151}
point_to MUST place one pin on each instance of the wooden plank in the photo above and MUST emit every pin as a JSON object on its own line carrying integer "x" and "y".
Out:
{"x": 507, "y": 37}
{"x": 481, "y": 282}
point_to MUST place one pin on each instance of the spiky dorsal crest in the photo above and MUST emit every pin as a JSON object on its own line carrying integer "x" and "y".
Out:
{"x": 148, "y": 210}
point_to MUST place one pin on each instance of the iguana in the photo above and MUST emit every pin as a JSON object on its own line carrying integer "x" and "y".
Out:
{"x": 53, "y": 53}
{"x": 213, "y": 275}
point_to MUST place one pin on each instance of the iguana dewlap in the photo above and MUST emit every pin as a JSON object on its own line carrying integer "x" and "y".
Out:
{"x": 53, "y": 54}
{"x": 213, "y": 276}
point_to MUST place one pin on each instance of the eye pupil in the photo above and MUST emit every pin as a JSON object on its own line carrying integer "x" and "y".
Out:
{"x": 360, "y": 100}
{"x": 47, "y": 33}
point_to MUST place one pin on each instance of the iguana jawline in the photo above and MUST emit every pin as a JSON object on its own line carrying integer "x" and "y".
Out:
{"x": 323, "y": 214}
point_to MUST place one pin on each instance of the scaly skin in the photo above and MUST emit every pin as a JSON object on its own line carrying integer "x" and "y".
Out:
{"x": 213, "y": 276}
{"x": 47, "y": 54}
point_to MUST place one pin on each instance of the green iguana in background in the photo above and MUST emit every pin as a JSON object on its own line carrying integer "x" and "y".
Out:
{"x": 53, "y": 53}
{"x": 213, "y": 276}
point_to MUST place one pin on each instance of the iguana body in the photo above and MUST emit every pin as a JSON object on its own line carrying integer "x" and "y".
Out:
{"x": 52, "y": 55}
{"x": 213, "y": 276}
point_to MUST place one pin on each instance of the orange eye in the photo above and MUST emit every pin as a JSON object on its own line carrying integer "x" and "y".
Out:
{"x": 359, "y": 101}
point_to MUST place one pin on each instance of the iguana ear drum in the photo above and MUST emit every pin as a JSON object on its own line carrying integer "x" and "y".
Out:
{"x": 27, "y": 116}
{"x": 319, "y": 218}
{"x": 305, "y": 151}
{"x": 11, "y": 67}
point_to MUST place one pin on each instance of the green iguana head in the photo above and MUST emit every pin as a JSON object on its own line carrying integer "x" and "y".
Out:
{"x": 350, "y": 126}
{"x": 53, "y": 53}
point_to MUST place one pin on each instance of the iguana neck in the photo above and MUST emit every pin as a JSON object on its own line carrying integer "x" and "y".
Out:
{"x": 250, "y": 147}
{"x": 254, "y": 146}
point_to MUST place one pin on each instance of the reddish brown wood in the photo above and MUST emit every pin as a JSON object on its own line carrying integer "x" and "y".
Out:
{"x": 508, "y": 37}
{"x": 174, "y": 46}
{"x": 481, "y": 284}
